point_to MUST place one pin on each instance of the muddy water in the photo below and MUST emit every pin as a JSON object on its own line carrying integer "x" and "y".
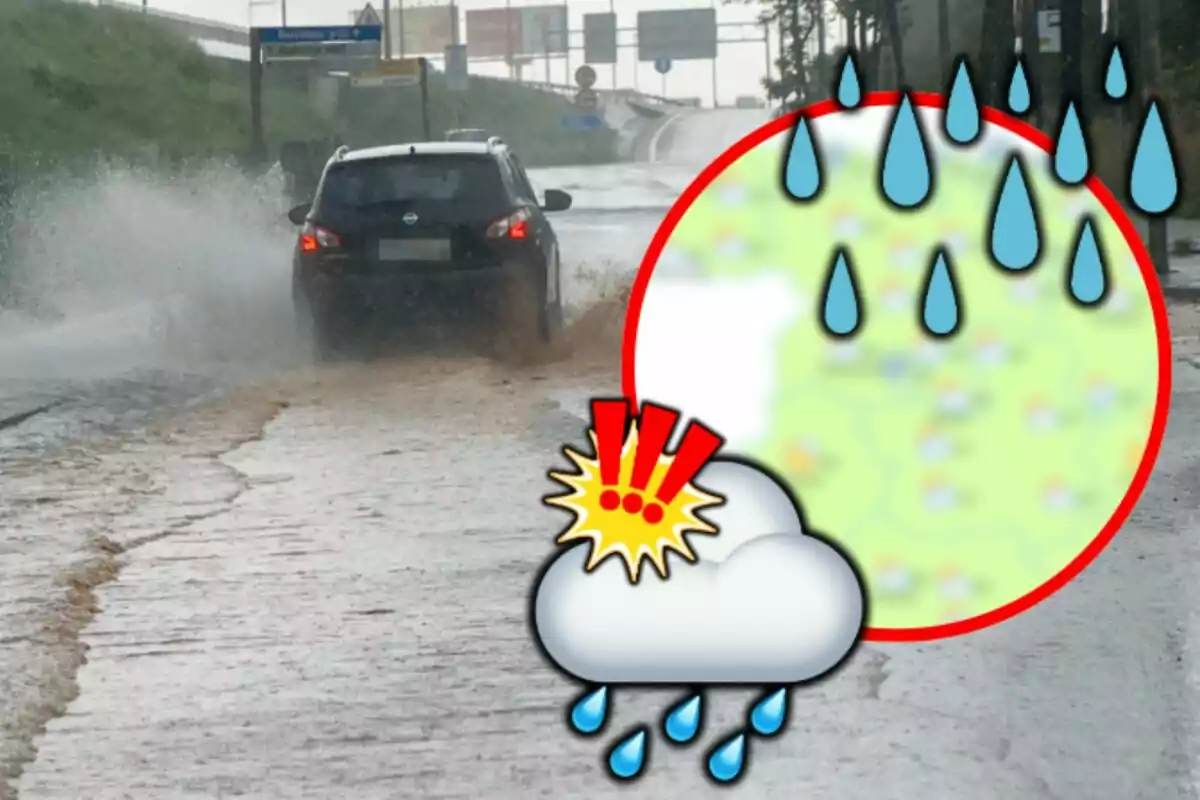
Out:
{"x": 166, "y": 343}
{"x": 89, "y": 476}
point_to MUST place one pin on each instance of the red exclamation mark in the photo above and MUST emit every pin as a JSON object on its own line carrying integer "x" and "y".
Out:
{"x": 695, "y": 449}
{"x": 654, "y": 429}
{"x": 608, "y": 423}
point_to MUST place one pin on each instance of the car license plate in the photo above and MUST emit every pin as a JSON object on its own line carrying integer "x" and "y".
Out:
{"x": 414, "y": 250}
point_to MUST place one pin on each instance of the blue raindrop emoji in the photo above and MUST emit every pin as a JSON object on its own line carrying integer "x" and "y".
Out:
{"x": 626, "y": 760}
{"x": 1019, "y": 100}
{"x": 1116, "y": 83}
{"x": 849, "y": 91}
{"x": 768, "y": 714}
{"x": 1153, "y": 182}
{"x": 940, "y": 303}
{"x": 1071, "y": 161}
{"x": 962, "y": 109}
{"x": 906, "y": 177}
{"x": 683, "y": 721}
{"x": 840, "y": 311}
{"x": 590, "y": 711}
{"x": 727, "y": 760}
{"x": 802, "y": 175}
{"x": 1015, "y": 238}
{"x": 1089, "y": 274}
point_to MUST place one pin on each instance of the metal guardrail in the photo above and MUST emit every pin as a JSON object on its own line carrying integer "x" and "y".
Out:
{"x": 565, "y": 89}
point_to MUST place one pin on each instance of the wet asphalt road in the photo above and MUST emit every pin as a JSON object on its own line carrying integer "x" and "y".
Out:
{"x": 317, "y": 588}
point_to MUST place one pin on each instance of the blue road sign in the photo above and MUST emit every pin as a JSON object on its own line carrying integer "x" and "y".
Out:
{"x": 317, "y": 35}
{"x": 582, "y": 122}
{"x": 662, "y": 65}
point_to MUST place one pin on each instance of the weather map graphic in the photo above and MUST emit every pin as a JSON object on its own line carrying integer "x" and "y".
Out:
{"x": 937, "y": 327}
{"x": 740, "y": 591}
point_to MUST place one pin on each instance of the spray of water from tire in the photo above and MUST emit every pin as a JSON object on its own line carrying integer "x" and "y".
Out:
{"x": 131, "y": 270}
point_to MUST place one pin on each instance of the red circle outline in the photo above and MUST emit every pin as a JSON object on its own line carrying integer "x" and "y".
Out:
{"x": 1116, "y": 213}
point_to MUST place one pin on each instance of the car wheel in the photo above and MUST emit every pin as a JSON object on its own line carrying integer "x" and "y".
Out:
{"x": 551, "y": 322}
{"x": 521, "y": 319}
{"x": 324, "y": 329}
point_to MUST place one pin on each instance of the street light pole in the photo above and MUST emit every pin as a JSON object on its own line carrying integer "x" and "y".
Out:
{"x": 612, "y": 9}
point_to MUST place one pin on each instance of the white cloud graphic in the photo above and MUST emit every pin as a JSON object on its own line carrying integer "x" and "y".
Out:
{"x": 767, "y": 605}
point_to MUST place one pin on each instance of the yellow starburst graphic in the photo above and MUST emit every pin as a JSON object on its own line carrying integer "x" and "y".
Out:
{"x": 631, "y": 523}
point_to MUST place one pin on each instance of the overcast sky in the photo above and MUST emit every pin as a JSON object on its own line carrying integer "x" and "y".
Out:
{"x": 740, "y": 67}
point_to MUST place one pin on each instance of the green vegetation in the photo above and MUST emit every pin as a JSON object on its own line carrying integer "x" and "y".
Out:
{"x": 528, "y": 119}
{"x": 980, "y": 29}
{"x": 81, "y": 81}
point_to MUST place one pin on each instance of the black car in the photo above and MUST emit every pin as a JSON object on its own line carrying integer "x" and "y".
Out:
{"x": 429, "y": 222}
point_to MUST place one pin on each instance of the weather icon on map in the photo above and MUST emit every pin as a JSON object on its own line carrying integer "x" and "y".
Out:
{"x": 684, "y": 569}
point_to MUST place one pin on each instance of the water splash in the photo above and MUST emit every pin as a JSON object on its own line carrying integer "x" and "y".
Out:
{"x": 849, "y": 92}
{"x": 628, "y": 757}
{"x": 962, "y": 109}
{"x": 683, "y": 722}
{"x": 1116, "y": 83}
{"x": 841, "y": 313}
{"x": 940, "y": 308}
{"x": 1089, "y": 274}
{"x": 906, "y": 176}
{"x": 1015, "y": 239}
{"x": 728, "y": 759}
{"x": 802, "y": 176}
{"x": 1071, "y": 161}
{"x": 1153, "y": 182}
{"x": 769, "y": 713}
{"x": 591, "y": 711}
{"x": 1019, "y": 100}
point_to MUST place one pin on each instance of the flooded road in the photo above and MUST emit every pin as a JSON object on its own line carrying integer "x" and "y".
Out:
{"x": 316, "y": 587}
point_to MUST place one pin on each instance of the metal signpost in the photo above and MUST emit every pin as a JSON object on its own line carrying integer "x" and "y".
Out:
{"x": 458, "y": 77}
{"x": 400, "y": 72}
{"x": 686, "y": 35}
{"x": 513, "y": 33}
{"x": 344, "y": 44}
{"x": 586, "y": 101}
{"x": 662, "y": 66}
{"x": 600, "y": 41}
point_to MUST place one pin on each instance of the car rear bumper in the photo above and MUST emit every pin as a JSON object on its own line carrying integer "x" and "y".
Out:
{"x": 439, "y": 286}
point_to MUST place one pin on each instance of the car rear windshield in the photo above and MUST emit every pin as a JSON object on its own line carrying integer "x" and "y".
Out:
{"x": 470, "y": 182}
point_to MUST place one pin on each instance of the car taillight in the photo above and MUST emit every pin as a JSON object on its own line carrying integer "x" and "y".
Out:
{"x": 514, "y": 226}
{"x": 314, "y": 238}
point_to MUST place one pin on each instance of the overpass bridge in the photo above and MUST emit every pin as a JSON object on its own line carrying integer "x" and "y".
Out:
{"x": 192, "y": 27}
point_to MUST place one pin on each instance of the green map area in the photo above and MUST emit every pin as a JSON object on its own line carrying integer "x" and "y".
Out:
{"x": 962, "y": 473}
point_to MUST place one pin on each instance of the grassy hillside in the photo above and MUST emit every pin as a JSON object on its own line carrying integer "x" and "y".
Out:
{"x": 81, "y": 80}
{"x": 530, "y": 120}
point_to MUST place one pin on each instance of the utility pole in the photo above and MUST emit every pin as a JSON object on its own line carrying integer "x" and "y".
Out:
{"x": 716, "y": 103}
{"x": 283, "y": 13}
{"x": 1152, "y": 68}
{"x": 822, "y": 67}
{"x": 508, "y": 42}
{"x": 943, "y": 12}
{"x": 387, "y": 29}
{"x": 612, "y": 9}
{"x": 1071, "y": 25}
